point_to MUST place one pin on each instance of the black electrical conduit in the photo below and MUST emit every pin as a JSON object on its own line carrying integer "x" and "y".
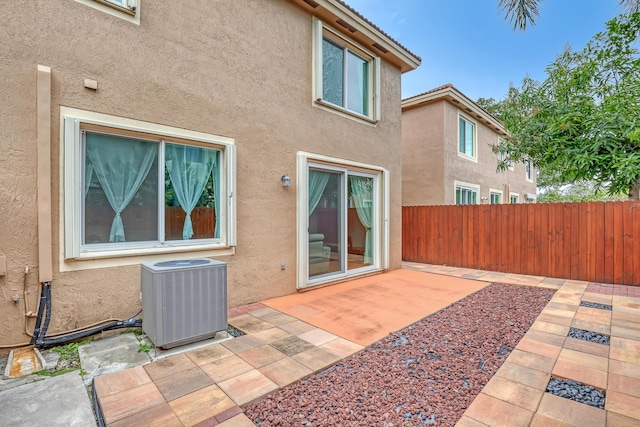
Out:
{"x": 39, "y": 333}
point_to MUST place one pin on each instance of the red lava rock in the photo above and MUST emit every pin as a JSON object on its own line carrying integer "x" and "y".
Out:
{"x": 425, "y": 374}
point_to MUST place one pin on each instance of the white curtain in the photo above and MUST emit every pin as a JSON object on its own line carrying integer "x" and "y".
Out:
{"x": 88, "y": 174}
{"x": 317, "y": 183}
{"x": 362, "y": 196}
{"x": 121, "y": 166}
{"x": 189, "y": 169}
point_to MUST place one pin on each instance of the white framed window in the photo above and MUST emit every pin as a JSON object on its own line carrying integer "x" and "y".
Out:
{"x": 466, "y": 194}
{"x": 495, "y": 196}
{"x": 346, "y": 76}
{"x": 467, "y": 143}
{"x": 513, "y": 198}
{"x": 502, "y": 156}
{"x": 136, "y": 188}
{"x": 128, "y": 10}
{"x": 528, "y": 168}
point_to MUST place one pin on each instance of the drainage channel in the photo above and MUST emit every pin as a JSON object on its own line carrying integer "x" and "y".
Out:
{"x": 577, "y": 391}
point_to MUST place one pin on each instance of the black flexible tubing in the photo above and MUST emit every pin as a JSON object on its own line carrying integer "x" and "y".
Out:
{"x": 47, "y": 318}
{"x": 129, "y": 323}
{"x": 36, "y": 329}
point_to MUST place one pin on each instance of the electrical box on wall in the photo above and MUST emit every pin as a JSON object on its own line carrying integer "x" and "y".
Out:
{"x": 3, "y": 265}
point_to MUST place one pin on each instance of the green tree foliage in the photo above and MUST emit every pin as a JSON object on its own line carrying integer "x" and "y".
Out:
{"x": 582, "y": 123}
{"x": 525, "y": 12}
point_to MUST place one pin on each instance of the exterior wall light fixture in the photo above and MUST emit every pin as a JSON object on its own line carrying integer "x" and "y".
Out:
{"x": 286, "y": 181}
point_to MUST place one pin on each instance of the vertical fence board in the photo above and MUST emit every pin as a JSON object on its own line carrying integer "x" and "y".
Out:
{"x": 552, "y": 236}
{"x": 599, "y": 242}
{"x": 583, "y": 247}
{"x": 591, "y": 241}
{"x": 608, "y": 242}
{"x": 617, "y": 242}
{"x": 517, "y": 239}
{"x": 635, "y": 209}
{"x": 627, "y": 243}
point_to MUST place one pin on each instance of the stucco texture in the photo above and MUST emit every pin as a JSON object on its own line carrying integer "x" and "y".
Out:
{"x": 241, "y": 69}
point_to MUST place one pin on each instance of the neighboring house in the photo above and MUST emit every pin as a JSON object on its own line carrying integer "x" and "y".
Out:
{"x": 265, "y": 134}
{"x": 447, "y": 155}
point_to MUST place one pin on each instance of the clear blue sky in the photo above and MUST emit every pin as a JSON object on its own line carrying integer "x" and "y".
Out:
{"x": 469, "y": 44}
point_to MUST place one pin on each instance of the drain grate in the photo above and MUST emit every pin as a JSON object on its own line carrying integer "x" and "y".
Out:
{"x": 234, "y": 332}
{"x": 595, "y": 305}
{"x": 577, "y": 391}
{"x": 590, "y": 336}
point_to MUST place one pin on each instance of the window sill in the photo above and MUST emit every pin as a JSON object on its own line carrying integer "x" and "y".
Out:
{"x": 118, "y": 258}
{"x": 116, "y": 7}
{"x": 467, "y": 157}
{"x": 344, "y": 112}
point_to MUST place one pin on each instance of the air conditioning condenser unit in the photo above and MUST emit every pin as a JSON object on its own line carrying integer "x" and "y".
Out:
{"x": 183, "y": 301}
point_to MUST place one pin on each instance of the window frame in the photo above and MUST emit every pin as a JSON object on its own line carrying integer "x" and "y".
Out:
{"x": 322, "y": 31}
{"x": 474, "y": 156}
{"x": 74, "y": 122}
{"x": 511, "y": 196}
{"x": 499, "y": 193}
{"x": 528, "y": 170}
{"x": 510, "y": 163}
{"x": 110, "y": 7}
{"x": 475, "y": 189}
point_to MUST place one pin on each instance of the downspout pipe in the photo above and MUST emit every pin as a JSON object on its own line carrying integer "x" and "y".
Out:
{"x": 45, "y": 257}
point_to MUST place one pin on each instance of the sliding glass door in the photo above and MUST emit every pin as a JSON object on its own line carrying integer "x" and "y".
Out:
{"x": 342, "y": 222}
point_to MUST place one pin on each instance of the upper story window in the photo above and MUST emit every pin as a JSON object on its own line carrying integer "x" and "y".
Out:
{"x": 129, "y": 189}
{"x": 513, "y": 198}
{"x": 128, "y": 10}
{"x": 502, "y": 157}
{"x": 346, "y": 75}
{"x": 528, "y": 167}
{"x": 467, "y": 137}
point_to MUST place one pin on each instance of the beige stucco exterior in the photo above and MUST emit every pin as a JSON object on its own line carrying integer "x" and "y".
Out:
{"x": 432, "y": 165}
{"x": 239, "y": 69}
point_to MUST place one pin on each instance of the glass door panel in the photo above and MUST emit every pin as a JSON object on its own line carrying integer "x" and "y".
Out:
{"x": 360, "y": 222}
{"x": 326, "y": 212}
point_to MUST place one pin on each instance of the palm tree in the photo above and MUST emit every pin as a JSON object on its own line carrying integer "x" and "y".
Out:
{"x": 524, "y": 12}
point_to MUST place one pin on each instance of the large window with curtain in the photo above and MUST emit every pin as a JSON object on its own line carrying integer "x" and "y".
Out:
{"x": 143, "y": 190}
{"x": 347, "y": 76}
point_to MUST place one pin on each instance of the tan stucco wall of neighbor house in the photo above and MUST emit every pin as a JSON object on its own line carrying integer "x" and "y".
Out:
{"x": 430, "y": 152}
{"x": 422, "y": 153}
{"x": 237, "y": 69}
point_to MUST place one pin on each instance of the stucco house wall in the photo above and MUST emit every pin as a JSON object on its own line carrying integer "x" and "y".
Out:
{"x": 241, "y": 70}
{"x": 430, "y": 135}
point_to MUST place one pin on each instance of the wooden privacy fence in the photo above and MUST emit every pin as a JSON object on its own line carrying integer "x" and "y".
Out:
{"x": 593, "y": 241}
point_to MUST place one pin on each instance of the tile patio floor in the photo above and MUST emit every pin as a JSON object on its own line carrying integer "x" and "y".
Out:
{"x": 209, "y": 386}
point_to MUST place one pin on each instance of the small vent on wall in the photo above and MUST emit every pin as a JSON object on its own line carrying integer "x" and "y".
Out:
{"x": 351, "y": 28}
{"x": 380, "y": 48}
{"x": 311, "y": 3}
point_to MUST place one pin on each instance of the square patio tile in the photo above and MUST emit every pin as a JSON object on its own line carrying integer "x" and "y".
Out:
{"x": 270, "y": 335}
{"x": 158, "y": 416}
{"x": 584, "y": 359}
{"x": 530, "y": 360}
{"x": 617, "y": 420}
{"x": 182, "y": 383}
{"x": 249, "y": 324}
{"x": 201, "y": 405}
{"x": 318, "y": 336}
{"x": 496, "y": 412}
{"x": 297, "y": 328}
{"x": 260, "y": 356}
{"x": 106, "y": 385}
{"x": 624, "y": 368}
{"x": 261, "y": 313}
{"x": 583, "y": 346}
{"x": 570, "y": 412}
{"x": 169, "y": 366}
{"x": 285, "y": 371}
{"x": 292, "y": 345}
{"x": 131, "y": 401}
{"x": 243, "y": 343}
{"x": 625, "y": 344}
{"x": 527, "y": 376}
{"x": 573, "y": 371}
{"x": 240, "y": 420}
{"x": 278, "y": 319}
{"x": 247, "y": 387}
{"x": 554, "y": 318}
{"x": 513, "y": 392}
{"x": 624, "y": 384}
{"x": 540, "y": 420}
{"x": 623, "y": 404}
{"x": 594, "y": 315}
{"x": 316, "y": 358}
{"x": 209, "y": 354}
{"x": 551, "y": 328}
{"x": 469, "y": 422}
{"x": 626, "y": 324}
{"x": 563, "y": 306}
{"x": 597, "y": 298}
{"x": 341, "y": 347}
{"x": 537, "y": 347}
{"x": 228, "y": 414}
{"x": 628, "y": 356}
{"x": 545, "y": 337}
{"x": 226, "y": 368}
{"x": 591, "y": 326}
